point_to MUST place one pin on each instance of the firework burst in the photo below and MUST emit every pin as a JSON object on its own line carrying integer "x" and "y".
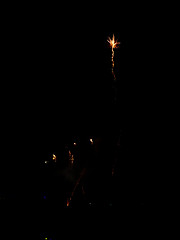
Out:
{"x": 113, "y": 44}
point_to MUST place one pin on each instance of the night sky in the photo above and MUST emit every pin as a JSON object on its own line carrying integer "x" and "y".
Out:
{"x": 58, "y": 84}
{"x": 59, "y": 81}
{"x": 75, "y": 81}
{"x": 74, "y": 86}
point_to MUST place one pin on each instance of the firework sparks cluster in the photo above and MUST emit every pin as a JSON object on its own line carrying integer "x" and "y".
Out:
{"x": 113, "y": 43}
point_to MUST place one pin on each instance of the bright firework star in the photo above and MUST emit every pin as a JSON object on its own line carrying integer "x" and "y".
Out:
{"x": 114, "y": 44}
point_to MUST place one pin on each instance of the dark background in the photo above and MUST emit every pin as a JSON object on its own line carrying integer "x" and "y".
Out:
{"x": 58, "y": 82}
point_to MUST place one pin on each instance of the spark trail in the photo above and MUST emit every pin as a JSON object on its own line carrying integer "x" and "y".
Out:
{"x": 75, "y": 187}
{"x": 114, "y": 44}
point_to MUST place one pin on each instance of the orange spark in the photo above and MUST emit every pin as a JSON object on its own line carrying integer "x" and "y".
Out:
{"x": 68, "y": 202}
{"x": 113, "y": 43}
{"x": 54, "y": 157}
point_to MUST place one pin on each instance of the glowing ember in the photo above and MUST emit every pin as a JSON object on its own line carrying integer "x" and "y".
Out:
{"x": 68, "y": 202}
{"x": 54, "y": 158}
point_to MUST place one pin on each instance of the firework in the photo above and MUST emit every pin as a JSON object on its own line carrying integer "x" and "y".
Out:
{"x": 114, "y": 44}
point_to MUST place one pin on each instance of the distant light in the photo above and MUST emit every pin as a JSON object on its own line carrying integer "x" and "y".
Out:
{"x": 46, "y": 162}
{"x": 75, "y": 143}
{"x": 91, "y": 140}
{"x": 44, "y": 197}
{"x": 45, "y": 238}
{"x": 54, "y": 158}
{"x": 68, "y": 202}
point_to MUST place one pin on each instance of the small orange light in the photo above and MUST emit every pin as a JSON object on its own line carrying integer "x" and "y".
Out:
{"x": 68, "y": 202}
{"x": 54, "y": 157}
